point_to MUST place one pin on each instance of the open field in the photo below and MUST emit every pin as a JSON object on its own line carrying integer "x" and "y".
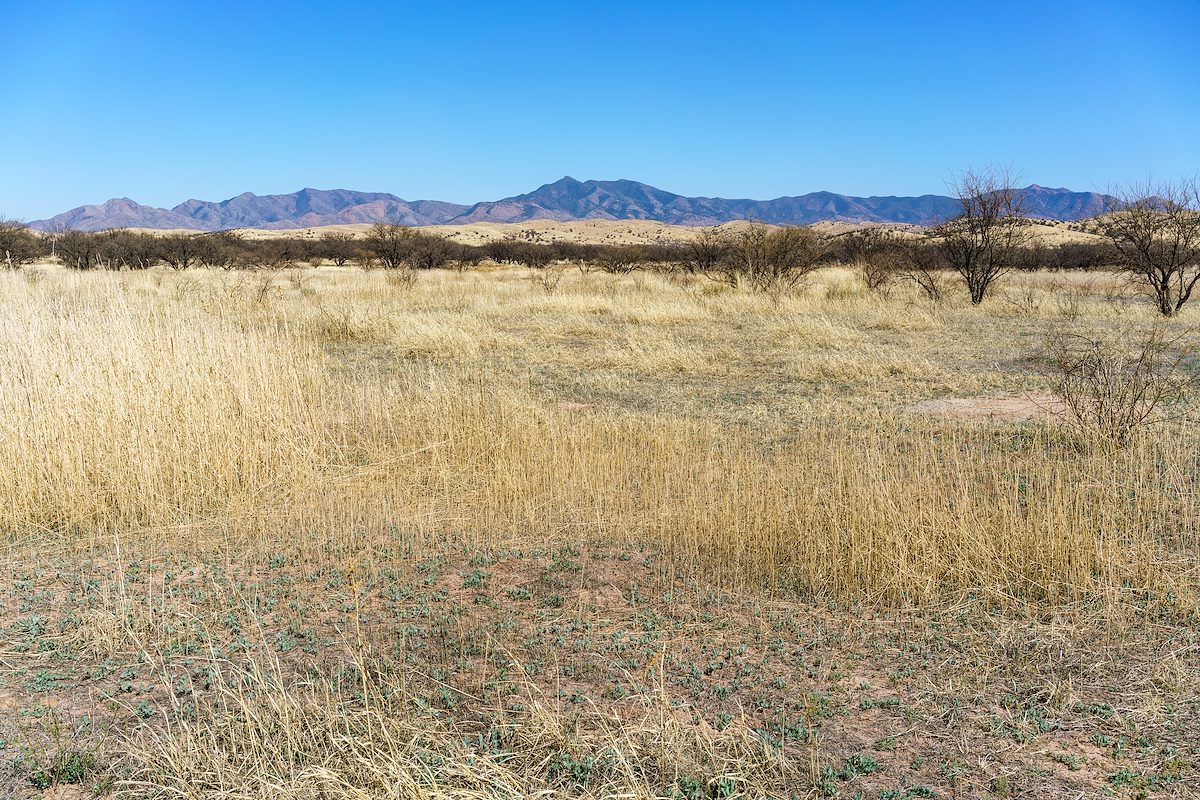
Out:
{"x": 326, "y": 533}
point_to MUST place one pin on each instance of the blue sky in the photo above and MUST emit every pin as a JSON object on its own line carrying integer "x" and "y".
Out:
{"x": 163, "y": 101}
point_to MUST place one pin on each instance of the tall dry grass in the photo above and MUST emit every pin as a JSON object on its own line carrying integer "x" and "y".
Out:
{"x": 259, "y": 739}
{"x": 210, "y": 412}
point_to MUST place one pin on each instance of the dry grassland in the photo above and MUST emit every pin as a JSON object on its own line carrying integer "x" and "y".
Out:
{"x": 327, "y": 533}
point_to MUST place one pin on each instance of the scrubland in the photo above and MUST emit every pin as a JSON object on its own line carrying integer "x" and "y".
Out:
{"x": 334, "y": 533}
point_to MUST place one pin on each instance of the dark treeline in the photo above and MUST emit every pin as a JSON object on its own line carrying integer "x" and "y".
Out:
{"x": 727, "y": 256}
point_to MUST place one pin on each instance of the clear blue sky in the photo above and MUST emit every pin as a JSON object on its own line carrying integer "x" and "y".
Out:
{"x": 163, "y": 101}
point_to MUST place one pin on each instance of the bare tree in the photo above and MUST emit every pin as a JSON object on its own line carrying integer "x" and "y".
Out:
{"x": 271, "y": 254}
{"x": 1155, "y": 236}
{"x": 181, "y": 250}
{"x": 531, "y": 254}
{"x": 220, "y": 250}
{"x": 467, "y": 256}
{"x": 337, "y": 247}
{"x": 391, "y": 244}
{"x": 621, "y": 259}
{"x": 501, "y": 251}
{"x": 771, "y": 259}
{"x": 79, "y": 250}
{"x": 986, "y": 239}
{"x": 429, "y": 251}
{"x": 124, "y": 249}
{"x": 365, "y": 259}
{"x": 18, "y": 245}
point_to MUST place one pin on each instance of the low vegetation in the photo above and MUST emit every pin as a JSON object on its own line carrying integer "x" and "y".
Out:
{"x": 293, "y": 532}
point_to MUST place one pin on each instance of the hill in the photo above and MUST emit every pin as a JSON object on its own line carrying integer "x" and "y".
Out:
{"x": 564, "y": 200}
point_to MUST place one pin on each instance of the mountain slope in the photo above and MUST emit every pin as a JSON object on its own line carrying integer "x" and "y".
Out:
{"x": 311, "y": 207}
{"x": 565, "y": 199}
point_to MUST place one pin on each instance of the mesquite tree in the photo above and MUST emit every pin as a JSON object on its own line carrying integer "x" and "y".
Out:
{"x": 986, "y": 239}
{"x": 1154, "y": 232}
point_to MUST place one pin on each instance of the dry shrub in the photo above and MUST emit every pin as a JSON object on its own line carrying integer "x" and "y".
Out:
{"x": 402, "y": 278}
{"x": 548, "y": 277}
{"x": 1113, "y": 388}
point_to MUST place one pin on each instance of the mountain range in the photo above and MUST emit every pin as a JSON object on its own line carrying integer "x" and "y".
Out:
{"x": 565, "y": 199}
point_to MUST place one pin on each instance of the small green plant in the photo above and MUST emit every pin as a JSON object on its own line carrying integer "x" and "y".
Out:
{"x": 65, "y": 768}
{"x": 476, "y": 579}
{"x": 1069, "y": 760}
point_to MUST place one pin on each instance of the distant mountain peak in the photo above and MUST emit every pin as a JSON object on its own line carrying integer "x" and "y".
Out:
{"x": 564, "y": 199}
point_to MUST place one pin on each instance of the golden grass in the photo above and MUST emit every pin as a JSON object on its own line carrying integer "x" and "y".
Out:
{"x": 756, "y": 442}
{"x": 344, "y": 534}
{"x": 263, "y": 740}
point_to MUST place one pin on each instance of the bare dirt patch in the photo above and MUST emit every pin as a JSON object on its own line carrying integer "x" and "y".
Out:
{"x": 1009, "y": 409}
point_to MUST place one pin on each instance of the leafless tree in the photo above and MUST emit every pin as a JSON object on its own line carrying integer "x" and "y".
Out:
{"x": 18, "y": 245}
{"x": 501, "y": 251}
{"x": 986, "y": 238}
{"x": 467, "y": 256}
{"x": 181, "y": 250}
{"x": 78, "y": 250}
{"x": 531, "y": 254}
{"x": 365, "y": 259}
{"x": 123, "y": 249}
{"x": 271, "y": 254}
{"x": 337, "y": 247}
{"x": 621, "y": 259}
{"x": 391, "y": 244}
{"x": 429, "y": 251}
{"x": 220, "y": 250}
{"x": 769, "y": 259}
{"x": 1155, "y": 236}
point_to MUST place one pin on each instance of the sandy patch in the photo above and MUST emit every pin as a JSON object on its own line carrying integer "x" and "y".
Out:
{"x": 1016, "y": 409}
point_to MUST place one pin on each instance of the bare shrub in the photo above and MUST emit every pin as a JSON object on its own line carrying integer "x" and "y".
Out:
{"x": 365, "y": 259}
{"x": 337, "y": 247}
{"x": 771, "y": 260}
{"x": 78, "y": 250}
{"x": 123, "y": 249}
{"x": 431, "y": 251}
{"x": 220, "y": 250}
{"x": 921, "y": 264}
{"x": 621, "y": 259}
{"x": 272, "y": 255}
{"x": 180, "y": 251}
{"x": 547, "y": 278}
{"x": 1026, "y": 300}
{"x": 403, "y": 278}
{"x": 703, "y": 254}
{"x": 1111, "y": 388}
{"x": 1069, "y": 301}
{"x": 531, "y": 254}
{"x": 876, "y": 251}
{"x": 18, "y": 245}
{"x": 466, "y": 256}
